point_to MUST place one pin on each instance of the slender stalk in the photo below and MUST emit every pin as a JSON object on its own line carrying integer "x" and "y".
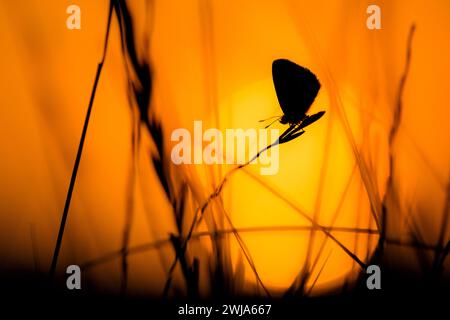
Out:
{"x": 145, "y": 247}
{"x": 201, "y": 209}
{"x": 79, "y": 153}
{"x": 392, "y": 136}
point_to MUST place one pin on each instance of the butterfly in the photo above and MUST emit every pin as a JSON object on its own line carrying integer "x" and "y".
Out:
{"x": 296, "y": 88}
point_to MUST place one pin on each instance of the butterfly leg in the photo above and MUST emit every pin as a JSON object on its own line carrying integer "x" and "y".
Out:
{"x": 297, "y": 131}
{"x": 292, "y": 128}
{"x": 294, "y": 131}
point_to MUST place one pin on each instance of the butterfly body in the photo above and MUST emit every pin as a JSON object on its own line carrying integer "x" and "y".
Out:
{"x": 296, "y": 88}
{"x": 289, "y": 120}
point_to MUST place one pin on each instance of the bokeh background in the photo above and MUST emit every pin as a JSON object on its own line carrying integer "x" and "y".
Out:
{"x": 357, "y": 174}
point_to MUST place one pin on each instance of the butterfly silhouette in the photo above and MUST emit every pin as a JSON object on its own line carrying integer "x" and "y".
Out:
{"x": 296, "y": 88}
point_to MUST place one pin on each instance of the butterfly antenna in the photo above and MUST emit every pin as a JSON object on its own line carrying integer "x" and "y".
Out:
{"x": 277, "y": 118}
{"x": 269, "y": 118}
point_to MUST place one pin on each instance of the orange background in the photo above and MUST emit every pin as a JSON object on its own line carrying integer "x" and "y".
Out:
{"x": 212, "y": 62}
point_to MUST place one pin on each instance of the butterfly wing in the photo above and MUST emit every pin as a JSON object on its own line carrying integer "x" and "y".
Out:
{"x": 296, "y": 88}
{"x": 311, "y": 119}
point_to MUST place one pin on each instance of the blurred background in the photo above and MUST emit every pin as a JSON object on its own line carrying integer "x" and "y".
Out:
{"x": 366, "y": 184}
